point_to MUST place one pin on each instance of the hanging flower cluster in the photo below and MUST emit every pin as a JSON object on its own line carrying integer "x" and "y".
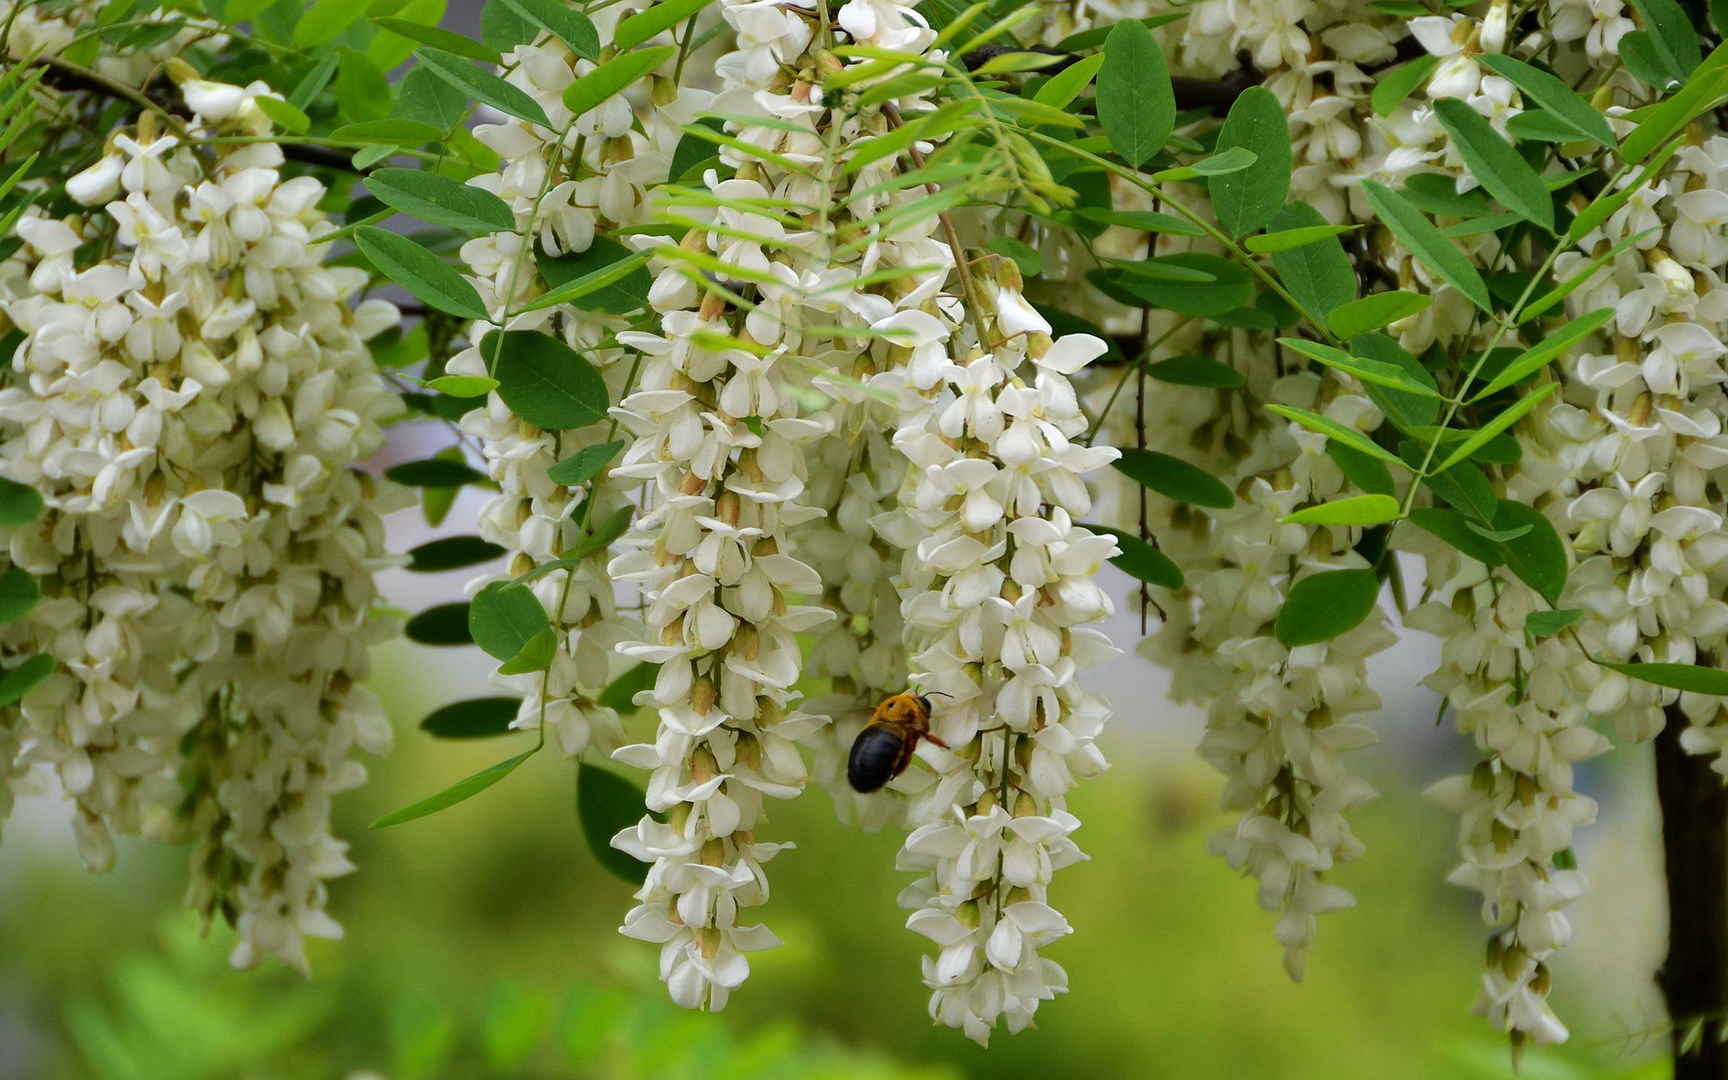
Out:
{"x": 792, "y": 342}
{"x": 190, "y": 407}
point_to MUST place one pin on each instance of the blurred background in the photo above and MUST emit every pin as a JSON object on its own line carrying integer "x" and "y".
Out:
{"x": 483, "y": 941}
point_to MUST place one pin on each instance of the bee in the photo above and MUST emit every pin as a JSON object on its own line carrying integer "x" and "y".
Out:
{"x": 885, "y": 747}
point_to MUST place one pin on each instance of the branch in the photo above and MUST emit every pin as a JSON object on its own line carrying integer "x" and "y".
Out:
{"x": 1694, "y": 975}
{"x": 65, "y": 75}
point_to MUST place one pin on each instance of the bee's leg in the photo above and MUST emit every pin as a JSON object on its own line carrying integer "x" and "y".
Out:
{"x": 937, "y": 741}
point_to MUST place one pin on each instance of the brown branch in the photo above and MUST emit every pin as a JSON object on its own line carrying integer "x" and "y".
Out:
{"x": 65, "y": 75}
{"x": 1694, "y": 975}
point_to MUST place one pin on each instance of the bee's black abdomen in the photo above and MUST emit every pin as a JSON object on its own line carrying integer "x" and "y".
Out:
{"x": 878, "y": 755}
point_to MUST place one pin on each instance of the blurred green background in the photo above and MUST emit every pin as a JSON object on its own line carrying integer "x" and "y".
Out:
{"x": 482, "y": 942}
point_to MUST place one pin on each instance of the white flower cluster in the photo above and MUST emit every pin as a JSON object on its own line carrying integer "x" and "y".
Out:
{"x": 1638, "y": 441}
{"x": 997, "y": 590}
{"x": 1282, "y": 716}
{"x": 190, "y": 405}
{"x": 131, "y": 53}
{"x": 720, "y": 444}
{"x": 585, "y": 176}
{"x": 1518, "y": 809}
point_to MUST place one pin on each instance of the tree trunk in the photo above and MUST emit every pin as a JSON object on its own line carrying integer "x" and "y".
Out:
{"x": 1694, "y": 976}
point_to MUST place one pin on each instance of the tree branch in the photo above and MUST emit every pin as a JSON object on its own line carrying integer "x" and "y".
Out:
{"x": 1694, "y": 975}
{"x": 65, "y": 75}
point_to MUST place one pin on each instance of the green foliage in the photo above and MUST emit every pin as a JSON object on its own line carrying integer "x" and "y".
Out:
{"x": 473, "y": 718}
{"x": 545, "y": 381}
{"x": 504, "y": 618}
{"x": 607, "y": 803}
{"x": 451, "y": 553}
{"x": 1247, "y": 200}
{"x": 1322, "y": 606}
{"x": 462, "y": 790}
{"x": 1136, "y": 104}
{"x": 1173, "y": 478}
{"x": 19, "y": 592}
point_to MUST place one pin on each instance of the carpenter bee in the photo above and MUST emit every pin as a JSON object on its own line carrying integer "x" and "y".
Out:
{"x": 885, "y": 747}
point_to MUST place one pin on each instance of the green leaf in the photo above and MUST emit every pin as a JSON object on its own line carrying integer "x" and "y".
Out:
{"x": 1136, "y": 103}
{"x": 1319, "y": 275}
{"x": 1193, "y": 370}
{"x": 463, "y": 386}
{"x": 1536, "y": 125}
{"x": 602, "y": 535}
{"x": 362, "y": 93}
{"x": 1561, "y": 101}
{"x": 1322, "y": 606}
{"x": 1541, "y": 624}
{"x": 20, "y": 680}
{"x": 438, "y": 200}
{"x": 1537, "y": 557}
{"x": 535, "y": 655}
{"x": 620, "y": 693}
{"x": 1690, "y": 678}
{"x": 441, "y": 624}
{"x": 451, "y": 553}
{"x": 1246, "y": 201}
{"x": 1368, "y": 473}
{"x": 444, "y": 40}
{"x": 608, "y": 278}
{"x": 1142, "y": 220}
{"x": 564, "y": 23}
{"x": 1406, "y": 411}
{"x": 1066, "y": 85}
{"x": 1400, "y": 82}
{"x": 476, "y": 718}
{"x": 545, "y": 381}
{"x": 1419, "y": 235}
{"x": 1453, "y": 528}
{"x": 422, "y": 273}
{"x": 1228, "y": 163}
{"x": 1670, "y": 28}
{"x": 1374, "y": 311}
{"x": 424, "y": 98}
{"x": 584, "y": 465}
{"x": 1289, "y": 239}
{"x": 612, "y": 77}
{"x": 1232, "y": 285}
{"x": 1662, "y": 121}
{"x": 434, "y": 473}
{"x": 1333, "y": 430}
{"x": 504, "y": 617}
{"x": 645, "y": 24}
{"x": 1141, "y": 560}
{"x": 455, "y": 793}
{"x": 483, "y": 86}
{"x": 19, "y": 592}
{"x": 1533, "y": 359}
{"x": 1377, "y": 372}
{"x": 1435, "y": 194}
{"x": 324, "y": 22}
{"x": 1495, "y": 164}
{"x": 393, "y": 132}
{"x": 1566, "y": 288}
{"x": 1174, "y": 478}
{"x": 1009, "y": 62}
{"x": 1642, "y": 56}
{"x": 282, "y": 114}
{"x": 503, "y": 27}
{"x": 1353, "y": 510}
{"x": 1463, "y": 486}
{"x": 607, "y": 804}
{"x": 1506, "y": 419}
{"x": 19, "y": 505}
